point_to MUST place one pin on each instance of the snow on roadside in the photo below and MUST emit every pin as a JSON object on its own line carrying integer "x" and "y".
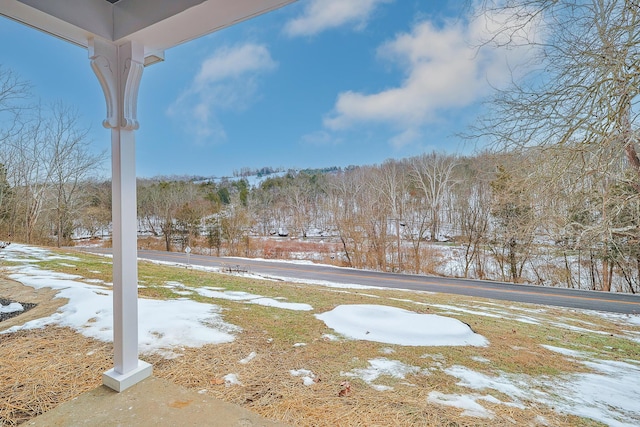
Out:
{"x": 17, "y": 253}
{"x": 324, "y": 283}
{"x": 451, "y": 308}
{"x": 630, "y": 319}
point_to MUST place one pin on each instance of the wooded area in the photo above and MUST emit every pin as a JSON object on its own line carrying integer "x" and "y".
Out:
{"x": 564, "y": 232}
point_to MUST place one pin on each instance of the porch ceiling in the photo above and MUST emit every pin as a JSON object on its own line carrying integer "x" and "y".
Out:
{"x": 157, "y": 24}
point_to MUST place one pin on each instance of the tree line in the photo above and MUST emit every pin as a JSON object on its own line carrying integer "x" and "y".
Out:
{"x": 506, "y": 216}
{"x": 477, "y": 216}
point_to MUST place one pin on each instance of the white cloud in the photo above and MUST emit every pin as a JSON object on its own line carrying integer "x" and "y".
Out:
{"x": 230, "y": 63}
{"x": 226, "y": 80}
{"x": 320, "y": 15}
{"x": 443, "y": 70}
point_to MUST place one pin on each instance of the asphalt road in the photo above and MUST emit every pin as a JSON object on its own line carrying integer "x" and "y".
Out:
{"x": 562, "y": 297}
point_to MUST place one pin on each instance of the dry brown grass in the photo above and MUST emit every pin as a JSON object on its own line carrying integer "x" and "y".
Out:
{"x": 43, "y": 368}
{"x": 39, "y": 372}
{"x": 288, "y": 249}
{"x": 40, "y": 369}
{"x": 268, "y": 388}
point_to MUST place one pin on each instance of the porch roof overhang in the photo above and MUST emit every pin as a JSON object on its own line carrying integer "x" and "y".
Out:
{"x": 157, "y": 25}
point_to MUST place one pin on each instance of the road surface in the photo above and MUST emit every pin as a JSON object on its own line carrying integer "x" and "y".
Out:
{"x": 562, "y": 297}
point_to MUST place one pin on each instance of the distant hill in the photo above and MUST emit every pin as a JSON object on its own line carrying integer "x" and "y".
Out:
{"x": 254, "y": 177}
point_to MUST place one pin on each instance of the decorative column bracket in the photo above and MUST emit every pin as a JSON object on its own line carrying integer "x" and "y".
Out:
{"x": 119, "y": 71}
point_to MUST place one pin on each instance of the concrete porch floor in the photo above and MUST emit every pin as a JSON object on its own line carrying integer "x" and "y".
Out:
{"x": 152, "y": 402}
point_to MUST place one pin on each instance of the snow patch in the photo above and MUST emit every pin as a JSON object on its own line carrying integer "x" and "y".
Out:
{"x": 308, "y": 377}
{"x": 249, "y": 358}
{"x": 467, "y": 402}
{"x": 608, "y": 394}
{"x": 231, "y": 379}
{"x": 392, "y": 325}
{"x": 163, "y": 325}
{"x": 379, "y": 367}
{"x": 251, "y": 299}
{"x": 11, "y": 307}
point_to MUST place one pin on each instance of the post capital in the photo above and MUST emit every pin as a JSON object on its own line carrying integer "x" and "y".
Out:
{"x": 119, "y": 71}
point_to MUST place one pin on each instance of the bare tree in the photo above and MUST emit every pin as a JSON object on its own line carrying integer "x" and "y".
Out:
{"x": 235, "y": 222}
{"x": 580, "y": 104}
{"x": 71, "y": 163}
{"x": 214, "y": 233}
{"x": 44, "y": 154}
{"x": 159, "y": 204}
{"x": 29, "y": 168}
{"x": 472, "y": 205}
{"x": 373, "y": 217}
{"x": 96, "y": 214}
{"x": 14, "y": 94}
{"x": 432, "y": 175}
{"x": 189, "y": 221}
{"x": 344, "y": 191}
{"x": 299, "y": 197}
{"x": 47, "y": 161}
{"x": 391, "y": 184}
{"x": 514, "y": 214}
{"x": 263, "y": 203}
{"x": 585, "y": 91}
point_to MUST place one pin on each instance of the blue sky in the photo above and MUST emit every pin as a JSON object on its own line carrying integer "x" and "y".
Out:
{"x": 317, "y": 83}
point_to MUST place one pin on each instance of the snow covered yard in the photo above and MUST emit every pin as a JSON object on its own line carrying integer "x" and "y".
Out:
{"x": 309, "y": 354}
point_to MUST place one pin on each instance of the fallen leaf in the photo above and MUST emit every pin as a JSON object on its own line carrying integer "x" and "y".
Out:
{"x": 346, "y": 388}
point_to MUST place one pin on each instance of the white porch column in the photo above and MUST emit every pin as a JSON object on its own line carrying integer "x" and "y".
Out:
{"x": 119, "y": 70}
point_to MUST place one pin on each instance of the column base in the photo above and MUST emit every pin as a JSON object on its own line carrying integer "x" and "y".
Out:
{"x": 121, "y": 382}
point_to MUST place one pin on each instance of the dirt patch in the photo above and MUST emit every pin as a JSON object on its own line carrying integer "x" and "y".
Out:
{"x": 43, "y": 302}
{"x": 24, "y": 307}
